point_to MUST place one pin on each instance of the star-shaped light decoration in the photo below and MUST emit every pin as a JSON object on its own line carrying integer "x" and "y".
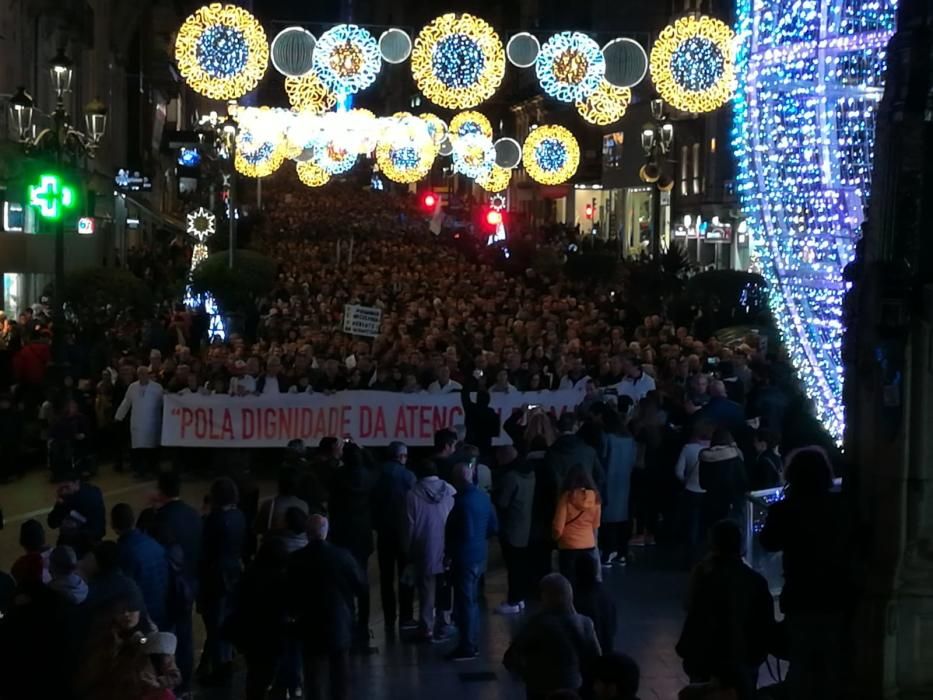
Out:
{"x": 201, "y": 224}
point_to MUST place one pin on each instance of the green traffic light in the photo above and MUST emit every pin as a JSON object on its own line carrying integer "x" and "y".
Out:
{"x": 51, "y": 197}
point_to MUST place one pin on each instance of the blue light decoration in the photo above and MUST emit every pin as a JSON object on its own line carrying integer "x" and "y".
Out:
{"x": 189, "y": 157}
{"x": 347, "y": 59}
{"x": 222, "y": 51}
{"x": 474, "y": 155}
{"x": 570, "y": 66}
{"x": 810, "y": 80}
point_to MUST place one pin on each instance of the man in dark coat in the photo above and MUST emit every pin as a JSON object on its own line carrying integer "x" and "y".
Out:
{"x": 388, "y": 507}
{"x": 569, "y": 450}
{"x": 352, "y": 525}
{"x": 143, "y": 560}
{"x": 79, "y": 513}
{"x": 323, "y": 582}
{"x": 482, "y": 422}
{"x": 470, "y": 524}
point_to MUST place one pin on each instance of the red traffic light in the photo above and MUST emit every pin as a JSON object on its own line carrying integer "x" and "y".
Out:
{"x": 429, "y": 200}
{"x": 589, "y": 211}
{"x": 493, "y": 217}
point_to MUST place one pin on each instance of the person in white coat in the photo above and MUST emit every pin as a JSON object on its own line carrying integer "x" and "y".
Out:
{"x": 143, "y": 401}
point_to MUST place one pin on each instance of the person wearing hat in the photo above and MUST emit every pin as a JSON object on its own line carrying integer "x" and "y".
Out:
{"x": 160, "y": 675}
{"x": 388, "y": 501}
{"x": 63, "y": 565}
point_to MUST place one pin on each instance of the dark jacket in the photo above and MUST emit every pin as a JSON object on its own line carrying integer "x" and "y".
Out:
{"x": 88, "y": 503}
{"x": 768, "y": 471}
{"x": 470, "y": 524}
{"x": 569, "y": 451}
{"x": 552, "y": 650}
{"x": 221, "y": 548}
{"x": 723, "y": 477}
{"x": 259, "y": 619}
{"x": 545, "y": 500}
{"x": 730, "y": 619}
{"x": 811, "y": 534}
{"x": 350, "y": 503}
{"x": 514, "y": 496}
{"x": 323, "y": 581}
{"x": 388, "y": 499}
{"x": 482, "y": 423}
{"x": 720, "y": 412}
{"x": 597, "y": 604}
{"x": 143, "y": 560}
{"x": 183, "y": 524}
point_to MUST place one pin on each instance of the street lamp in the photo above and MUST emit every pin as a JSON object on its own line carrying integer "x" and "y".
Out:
{"x": 51, "y": 196}
{"x": 228, "y": 132}
{"x": 657, "y": 137}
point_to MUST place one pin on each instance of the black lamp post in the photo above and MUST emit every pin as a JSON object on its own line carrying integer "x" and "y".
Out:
{"x": 656, "y": 139}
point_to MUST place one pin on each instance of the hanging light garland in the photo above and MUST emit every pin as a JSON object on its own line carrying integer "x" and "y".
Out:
{"x": 606, "y": 105}
{"x": 693, "y": 64}
{"x": 221, "y": 51}
{"x": 551, "y": 155}
{"x": 474, "y": 155}
{"x": 308, "y": 93}
{"x": 311, "y": 174}
{"x": 458, "y": 61}
{"x": 496, "y": 179}
{"x": 347, "y": 59}
{"x": 469, "y": 122}
{"x": 570, "y": 66}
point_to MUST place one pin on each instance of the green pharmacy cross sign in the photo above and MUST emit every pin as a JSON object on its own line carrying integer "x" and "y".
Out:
{"x": 51, "y": 197}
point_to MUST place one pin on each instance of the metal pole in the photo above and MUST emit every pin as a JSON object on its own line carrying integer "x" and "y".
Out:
{"x": 258, "y": 194}
{"x": 656, "y": 233}
{"x": 58, "y": 304}
{"x": 231, "y": 212}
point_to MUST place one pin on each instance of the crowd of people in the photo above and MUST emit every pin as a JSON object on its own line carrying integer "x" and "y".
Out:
{"x": 673, "y": 430}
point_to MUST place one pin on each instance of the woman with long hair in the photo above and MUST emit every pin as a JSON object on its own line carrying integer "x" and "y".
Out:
{"x": 576, "y": 520}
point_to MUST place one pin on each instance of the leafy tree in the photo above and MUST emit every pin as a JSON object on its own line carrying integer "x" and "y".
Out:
{"x": 97, "y": 295}
{"x": 235, "y": 290}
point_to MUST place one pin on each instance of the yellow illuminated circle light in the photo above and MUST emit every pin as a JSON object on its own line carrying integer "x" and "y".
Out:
{"x": 222, "y": 51}
{"x": 312, "y": 174}
{"x": 436, "y": 127}
{"x": 496, "y": 180}
{"x": 606, "y": 104}
{"x": 551, "y": 155}
{"x": 693, "y": 64}
{"x": 255, "y": 158}
{"x": 458, "y": 61}
{"x": 469, "y": 122}
{"x": 308, "y": 93}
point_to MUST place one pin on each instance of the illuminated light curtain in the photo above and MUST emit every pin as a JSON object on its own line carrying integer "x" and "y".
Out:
{"x": 458, "y": 61}
{"x": 222, "y": 51}
{"x": 551, "y": 155}
{"x": 693, "y": 63}
{"x": 810, "y": 79}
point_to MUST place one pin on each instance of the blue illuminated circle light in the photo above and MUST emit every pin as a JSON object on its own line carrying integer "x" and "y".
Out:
{"x": 222, "y": 51}
{"x": 551, "y": 155}
{"x": 804, "y": 134}
{"x": 347, "y": 58}
{"x": 458, "y": 61}
{"x": 570, "y": 66}
{"x": 697, "y": 64}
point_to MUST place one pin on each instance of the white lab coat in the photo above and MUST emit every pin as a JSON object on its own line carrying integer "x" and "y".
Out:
{"x": 145, "y": 402}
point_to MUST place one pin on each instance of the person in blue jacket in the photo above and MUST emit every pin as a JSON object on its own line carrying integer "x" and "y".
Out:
{"x": 143, "y": 560}
{"x": 470, "y": 525}
{"x": 78, "y": 514}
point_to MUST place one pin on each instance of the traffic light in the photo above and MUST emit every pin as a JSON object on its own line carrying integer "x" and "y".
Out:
{"x": 589, "y": 211}
{"x": 429, "y": 201}
{"x": 493, "y": 217}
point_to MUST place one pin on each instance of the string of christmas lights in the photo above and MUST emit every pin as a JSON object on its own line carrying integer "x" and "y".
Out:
{"x": 347, "y": 59}
{"x": 458, "y": 61}
{"x": 309, "y": 93}
{"x": 474, "y": 155}
{"x": 803, "y": 138}
{"x": 606, "y": 105}
{"x": 570, "y": 66}
{"x": 551, "y": 155}
{"x": 221, "y": 51}
{"x": 469, "y": 122}
{"x": 311, "y": 174}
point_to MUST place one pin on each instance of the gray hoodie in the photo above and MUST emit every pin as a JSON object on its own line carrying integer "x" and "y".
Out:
{"x": 427, "y": 506}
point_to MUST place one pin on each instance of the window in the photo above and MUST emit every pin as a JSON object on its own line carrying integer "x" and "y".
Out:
{"x": 612, "y": 150}
{"x": 697, "y": 188}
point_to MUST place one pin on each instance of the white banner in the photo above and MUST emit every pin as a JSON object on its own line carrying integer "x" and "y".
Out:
{"x": 361, "y": 320}
{"x": 370, "y": 417}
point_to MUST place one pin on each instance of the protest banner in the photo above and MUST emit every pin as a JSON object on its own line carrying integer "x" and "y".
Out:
{"x": 371, "y": 418}
{"x": 361, "y": 320}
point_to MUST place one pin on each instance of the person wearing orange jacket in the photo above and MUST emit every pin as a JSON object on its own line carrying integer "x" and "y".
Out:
{"x": 576, "y": 520}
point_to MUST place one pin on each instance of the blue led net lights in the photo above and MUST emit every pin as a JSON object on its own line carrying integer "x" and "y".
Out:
{"x": 406, "y": 157}
{"x": 222, "y": 51}
{"x": 551, "y": 155}
{"x": 570, "y": 66}
{"x": 697, "y": 64}
{"x": 458, "y": 61}
{"x": 803, "y": 138}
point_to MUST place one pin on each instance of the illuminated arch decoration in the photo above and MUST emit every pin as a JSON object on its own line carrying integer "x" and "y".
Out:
{"x": 458, "y": 61}
{"x": 469, "y": 122}
{"x": 308, "y": 93}
{"x": 347, "y": 59}
{"x": 222, "y": 51}
{"x": 606, "y": 105}
{"x": 474, "y": 155}
{"x": 693, "y": 63}
{"x": 570, "y": 66}
{"x": 311, "y": 174}
{"x": 496, "y": 179}
{"x": 551, "y": 155}
{"x": 809, "y": 87}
